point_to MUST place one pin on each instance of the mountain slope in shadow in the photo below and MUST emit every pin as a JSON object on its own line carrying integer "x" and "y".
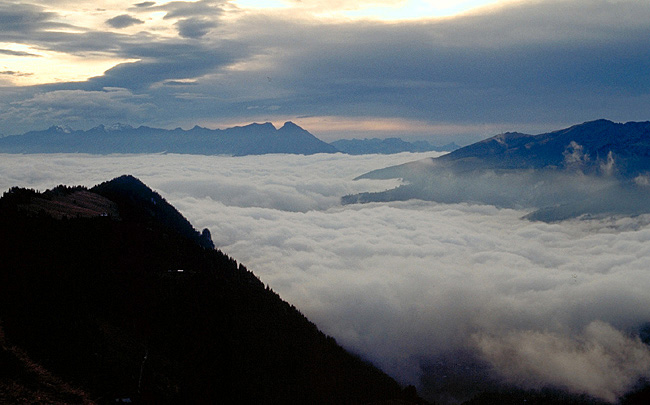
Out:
{"x": 109, "y": 293}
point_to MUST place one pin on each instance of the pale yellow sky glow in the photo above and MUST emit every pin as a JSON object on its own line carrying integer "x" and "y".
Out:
{"x": 51, "y": 67}
{"x": 330, "y": 128}
{"x": 383, "y": 10}
{"x": 414, "y": 9}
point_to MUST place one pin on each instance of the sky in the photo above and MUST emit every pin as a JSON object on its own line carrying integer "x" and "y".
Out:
{"x": 429, "y": 292}
{"x": 449, "y": 70}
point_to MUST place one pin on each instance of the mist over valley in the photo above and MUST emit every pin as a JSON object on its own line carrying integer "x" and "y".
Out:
{"x": 454, "y": 297}
{"x": 456, "y": 191}
{"x": 597, "y": 168}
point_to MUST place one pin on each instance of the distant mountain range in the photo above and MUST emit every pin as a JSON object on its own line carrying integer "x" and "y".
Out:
{"x": 387, "y": 146}
{"x": 253, "y": 139}
{"x": 596, "y": 147}
{"x": 110, "y": 295}
{"x": 598, "y": 167}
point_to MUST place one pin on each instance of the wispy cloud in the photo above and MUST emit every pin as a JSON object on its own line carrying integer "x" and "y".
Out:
{"x": 14, "y": 73}
{"x": 123, "y": 21}
{"x": 17, "y": 53}
{"x": 145, "y": 4}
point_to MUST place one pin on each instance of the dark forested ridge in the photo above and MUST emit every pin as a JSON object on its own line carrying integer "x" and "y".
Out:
{"x": 109, "y": 293}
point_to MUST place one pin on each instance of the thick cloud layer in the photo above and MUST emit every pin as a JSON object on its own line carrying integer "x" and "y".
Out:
{"x": 526, "y": 66}
{"x": 430, "y": 292}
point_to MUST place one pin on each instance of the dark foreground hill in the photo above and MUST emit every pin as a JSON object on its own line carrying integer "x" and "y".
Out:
{"x": 595, "y": 168}
{"x": 253, "y": 139}
{"x": 109, "y": 293}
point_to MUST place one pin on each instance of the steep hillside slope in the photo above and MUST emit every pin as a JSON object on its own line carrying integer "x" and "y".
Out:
{"x": 127, "y": 300}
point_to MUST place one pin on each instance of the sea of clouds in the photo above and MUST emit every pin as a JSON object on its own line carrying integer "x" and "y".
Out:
{"x": 448, "y": 297}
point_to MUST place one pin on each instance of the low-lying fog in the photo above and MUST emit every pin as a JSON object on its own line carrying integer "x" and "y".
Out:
{"x": 448, "y": 297}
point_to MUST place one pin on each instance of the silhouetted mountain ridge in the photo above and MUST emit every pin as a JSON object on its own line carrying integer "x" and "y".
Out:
{"x": 110, "y": 293}
{"x": 138, "y": 202}
{"x": 586, "y": 146}
{"x": 252, "y": 139}
{"x": 387, "y": 146}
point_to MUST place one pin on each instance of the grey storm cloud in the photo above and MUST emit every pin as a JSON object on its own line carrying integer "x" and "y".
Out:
{"x": 170, "y": 60}
{"x": 74, "y": 107}
{"x": 18, "y": 20}
{"x": 123, "y": 21}
{"x": 194, "y": 19}
{"x": 425, "y": 290}
{"x": 194, "y": 27}
{"x": 17, "y": 53}
{"x": 14, "y": 73}
{"x": 159, "y": 61}
{"x": 145, "y": 4}
{"x": 545, "y": 63}
{"x": 202, "y": 8}
{"x": 478, "y": 66}
{"x": 31, "y": 25}
{"x": 140, "y": 75}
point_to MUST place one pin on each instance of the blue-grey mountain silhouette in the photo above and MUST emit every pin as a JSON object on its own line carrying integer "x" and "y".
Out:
{"x": 252, "y": 139}
{"x": 387, "y": 146}
{"x": 595, "y": 168}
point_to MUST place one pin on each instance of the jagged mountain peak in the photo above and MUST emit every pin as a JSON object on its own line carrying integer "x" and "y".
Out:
{"x": 62, "y": 129}
{"x": 118, "y": 127}
{"x": 291, "y": 125}
{"x": 251, "y": 139}
{"x": 126, "y": 184}
{"x": 137, "y": 201}
{"x": 258, "y": 125}
{"x": 127, "y": 180}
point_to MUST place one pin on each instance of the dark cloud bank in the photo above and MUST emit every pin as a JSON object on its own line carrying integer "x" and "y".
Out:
{"x": 123, "y": 21}
{"x": 527, "y": 65}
